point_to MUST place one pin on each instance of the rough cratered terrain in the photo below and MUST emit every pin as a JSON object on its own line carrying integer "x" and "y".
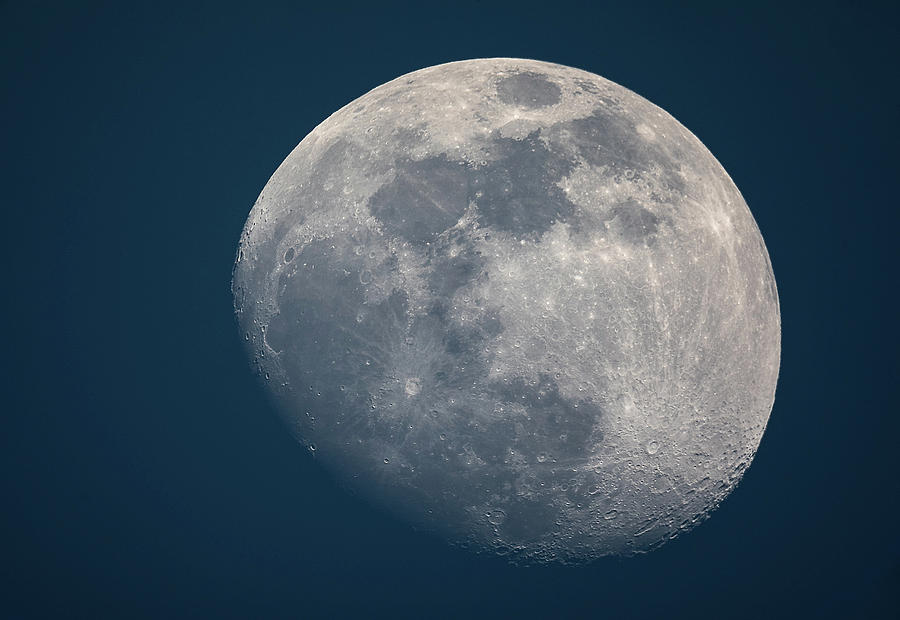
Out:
{"x": 518, "y": 304}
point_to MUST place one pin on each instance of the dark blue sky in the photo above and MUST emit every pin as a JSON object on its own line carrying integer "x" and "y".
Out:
{"x": 144, "y": 473}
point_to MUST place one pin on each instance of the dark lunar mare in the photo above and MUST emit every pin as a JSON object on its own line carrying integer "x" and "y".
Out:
{"x": 528, "y": 90}
{"x": 516, "y": 191}
{"x": 425, "y": 198}
{"x": 606, "y": 139}
{"x": 347, "y": 360}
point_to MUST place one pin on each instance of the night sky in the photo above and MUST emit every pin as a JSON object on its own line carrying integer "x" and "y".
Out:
{"x": 144, "y": 472}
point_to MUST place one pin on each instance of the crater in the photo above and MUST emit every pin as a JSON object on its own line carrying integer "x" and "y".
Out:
{"x": 413, "y": 386}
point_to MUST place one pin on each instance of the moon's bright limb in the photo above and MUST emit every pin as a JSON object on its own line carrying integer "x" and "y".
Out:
{"x": 516, "y": 303}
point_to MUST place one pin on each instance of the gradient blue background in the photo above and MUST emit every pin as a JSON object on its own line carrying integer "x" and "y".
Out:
{"x": 144, "y": 474}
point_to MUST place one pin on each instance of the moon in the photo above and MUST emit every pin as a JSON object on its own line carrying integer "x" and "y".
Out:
{"x": 516, "y": 304}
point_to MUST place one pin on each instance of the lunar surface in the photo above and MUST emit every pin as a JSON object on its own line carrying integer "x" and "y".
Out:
{"x": 516, "y": 304}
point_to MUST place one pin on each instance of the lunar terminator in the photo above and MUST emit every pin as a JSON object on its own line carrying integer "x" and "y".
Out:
{"x": 517, "y": 304}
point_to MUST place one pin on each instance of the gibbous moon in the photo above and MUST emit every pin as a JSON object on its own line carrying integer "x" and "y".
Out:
{"x": 517, "y": 304}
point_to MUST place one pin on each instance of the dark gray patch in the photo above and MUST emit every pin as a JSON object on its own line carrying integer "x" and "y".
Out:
{"x": 528, "y": 90}
{"x": 426, "y": 198}
{"x": 448, "y": 273}
{"x": 607, "y": 139}
{"x": 629, "y": 221}
{"x": 492, "y": 440}
{"x": 529, "y": 519}
{"x": 634, "y": 223}
{"x": 453, "y": 262}
{"x": 320, "y": 321}
{"x": 554, "y": 426}
{"x": 518, "y": 193}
